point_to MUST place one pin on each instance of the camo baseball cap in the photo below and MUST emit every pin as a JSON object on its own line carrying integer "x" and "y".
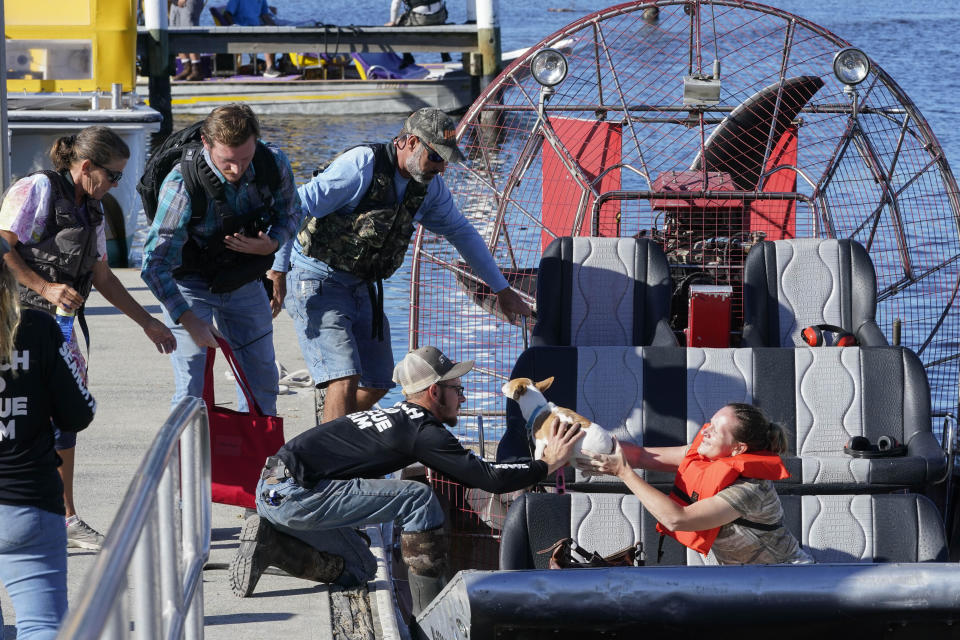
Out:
{"x": 437, "y": 130}
{"x": 426, "y": 366}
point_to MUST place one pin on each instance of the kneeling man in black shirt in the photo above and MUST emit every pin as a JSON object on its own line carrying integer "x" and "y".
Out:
{"x": 329, "y": 480}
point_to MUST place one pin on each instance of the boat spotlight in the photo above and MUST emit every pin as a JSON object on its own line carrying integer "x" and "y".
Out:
{"x": 851, "y": 66}
{"x": 549, "y": 67}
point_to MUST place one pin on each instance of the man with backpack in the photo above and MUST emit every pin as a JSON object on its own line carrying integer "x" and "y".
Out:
{"x": 225, "y": 202}
{"x": 359, "y": 215}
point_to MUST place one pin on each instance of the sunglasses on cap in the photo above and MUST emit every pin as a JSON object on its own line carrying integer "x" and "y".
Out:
{"x": 112, "y": 176}
{"x": 432, "y": 155}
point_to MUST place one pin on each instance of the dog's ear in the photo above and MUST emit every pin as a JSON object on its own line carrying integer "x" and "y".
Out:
{"x": 543, "y": 385}
{"x": 518, "y": 390}
{"x": 513, "y": 389}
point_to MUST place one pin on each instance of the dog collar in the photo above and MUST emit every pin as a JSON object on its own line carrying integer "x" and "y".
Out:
{"x": 531, "y": 421}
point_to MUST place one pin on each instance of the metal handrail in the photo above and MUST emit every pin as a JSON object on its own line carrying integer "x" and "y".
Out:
{"x": 948, "y": 441}
{"x": 144, "y": 534}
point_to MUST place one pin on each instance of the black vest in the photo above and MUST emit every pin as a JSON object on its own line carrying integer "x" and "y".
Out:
{"x": 371, "y": 241}
{"x": 67, "y": 249}
{"x": 225, "y": 270}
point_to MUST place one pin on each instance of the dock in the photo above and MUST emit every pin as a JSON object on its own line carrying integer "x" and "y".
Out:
{"x": 330, "y": 39}
{"x": 479, "y": 42}
{"x": 133, "y": 385}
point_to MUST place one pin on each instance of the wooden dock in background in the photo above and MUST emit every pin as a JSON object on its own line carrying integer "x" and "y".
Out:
{"x": 330, "y": 39}
{"x": 478, "y": 42}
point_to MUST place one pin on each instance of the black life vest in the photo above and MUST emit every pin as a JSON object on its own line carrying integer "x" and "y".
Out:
{"x": 223, "y": 269}
{"x": 67, "y": 249}
{"x": 371, "y": 241}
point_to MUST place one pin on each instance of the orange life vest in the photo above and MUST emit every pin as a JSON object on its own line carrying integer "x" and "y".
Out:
{"x": 698, "y": 478}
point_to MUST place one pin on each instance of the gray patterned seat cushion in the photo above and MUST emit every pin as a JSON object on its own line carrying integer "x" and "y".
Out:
{"x": 661, "y": 396}
{"x": 603, "y": 291}
{"x": 792, "y": 284}
{"x": 832, "y": 528}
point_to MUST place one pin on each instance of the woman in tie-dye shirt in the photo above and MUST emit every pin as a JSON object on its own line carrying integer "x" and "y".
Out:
{"x": 53, "y": 222}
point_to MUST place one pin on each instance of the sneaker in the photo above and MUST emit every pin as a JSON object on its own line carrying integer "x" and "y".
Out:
{"x": 250, "y": 562}
{"x": 271, "y": 72}
{"x": 80, "y": 535}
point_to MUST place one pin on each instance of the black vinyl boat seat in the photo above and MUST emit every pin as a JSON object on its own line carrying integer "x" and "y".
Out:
{"x": 661, "y": 396}
{"x": 789, "y": 285}
{"x": 834, "y": 528}
{"x": 603, "y": 291}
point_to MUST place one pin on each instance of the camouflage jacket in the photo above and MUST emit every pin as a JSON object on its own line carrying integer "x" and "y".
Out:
{"x": 371, "y": 241}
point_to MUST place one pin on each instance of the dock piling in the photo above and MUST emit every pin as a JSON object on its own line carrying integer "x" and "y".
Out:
{"x": 158, "y": 62}
{"x": 488, "y": 40}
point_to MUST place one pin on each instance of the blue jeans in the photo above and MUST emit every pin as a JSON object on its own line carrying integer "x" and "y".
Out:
{"x": 333, "y": 316}
{"x": 33, "y": 568}
{"x": 325, "y": 516}
{"x": 243, "y": 317}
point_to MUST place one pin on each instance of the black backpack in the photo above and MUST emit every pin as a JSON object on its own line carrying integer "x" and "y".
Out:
{"x": 185, "y": 147}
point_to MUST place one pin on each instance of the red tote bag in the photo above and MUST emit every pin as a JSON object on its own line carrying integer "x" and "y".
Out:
{"x": 239, "y": 442}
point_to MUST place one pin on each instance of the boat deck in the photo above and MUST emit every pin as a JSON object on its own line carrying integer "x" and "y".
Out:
{"x": 133, "y": 385}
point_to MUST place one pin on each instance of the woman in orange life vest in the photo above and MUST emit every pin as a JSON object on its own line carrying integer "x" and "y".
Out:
{"x": 723, "y": 498}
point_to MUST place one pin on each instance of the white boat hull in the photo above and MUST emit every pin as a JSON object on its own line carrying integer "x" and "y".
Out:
{"x": 324, "y": 97}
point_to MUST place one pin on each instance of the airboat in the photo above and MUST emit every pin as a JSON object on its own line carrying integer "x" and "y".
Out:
{"x": 710, "y": 129}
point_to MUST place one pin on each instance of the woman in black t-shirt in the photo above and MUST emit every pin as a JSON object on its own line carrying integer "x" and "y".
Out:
{"x": 39, "y": 382}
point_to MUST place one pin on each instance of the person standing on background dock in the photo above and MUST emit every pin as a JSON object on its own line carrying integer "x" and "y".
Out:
{"x": 186, "y": 13}
{"x": 359, "y": 216}
{"x": 40, "y": 386}
{"x": 53, "y": 221}
{"x": 418, "y": 13}
{"x": 206, "y": 268}
{"x": 254, "y": 13}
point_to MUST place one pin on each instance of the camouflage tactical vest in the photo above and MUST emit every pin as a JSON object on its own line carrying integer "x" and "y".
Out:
{"x": 67, "y": 250}
{"x": 370, "y": 241}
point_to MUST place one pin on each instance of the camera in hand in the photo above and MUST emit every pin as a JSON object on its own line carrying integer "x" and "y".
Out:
{"x": 258, "y": 222}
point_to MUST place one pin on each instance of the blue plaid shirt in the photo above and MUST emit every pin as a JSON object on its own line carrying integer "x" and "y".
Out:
{"x": 171, "y": 227}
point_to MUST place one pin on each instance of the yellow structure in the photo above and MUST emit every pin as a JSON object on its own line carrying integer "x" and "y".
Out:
{"x": 70, "y": 45}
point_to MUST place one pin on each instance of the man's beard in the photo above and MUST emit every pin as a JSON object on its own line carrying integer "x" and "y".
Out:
{"x": 412, "y": 166}
{"x": 450, "y": 421}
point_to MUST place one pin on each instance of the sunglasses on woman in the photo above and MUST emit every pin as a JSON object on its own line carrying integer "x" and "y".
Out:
{"x": 112, "y": 176}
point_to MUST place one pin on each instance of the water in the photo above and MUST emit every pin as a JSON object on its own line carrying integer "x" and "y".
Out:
{"x": 911, "y": 41}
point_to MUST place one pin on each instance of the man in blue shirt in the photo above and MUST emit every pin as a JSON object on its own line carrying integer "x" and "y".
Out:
{"x": 359, "y": 219}
{"x": 253, "y": 13}
{"x": 202, "y": 271}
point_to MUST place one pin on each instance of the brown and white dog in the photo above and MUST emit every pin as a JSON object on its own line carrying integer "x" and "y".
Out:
{"x": 541, "y": 414}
